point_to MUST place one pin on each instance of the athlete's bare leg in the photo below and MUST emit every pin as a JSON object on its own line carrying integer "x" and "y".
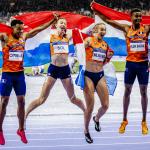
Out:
{"x": 126, "y": 100}
{"x": 47, "y": 86}
{"x": 103, "y": 94}
{"x": 21, "y": 111}
{"x": 3, "y": 105}
{"x": 69, "y": 87}
{"x": 89, "y": 99}
{"x": 144, "y": 100}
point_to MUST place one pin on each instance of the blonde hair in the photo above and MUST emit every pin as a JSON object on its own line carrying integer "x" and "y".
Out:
{"x": 98, "y": 24}
{"x": 58, "y": 20}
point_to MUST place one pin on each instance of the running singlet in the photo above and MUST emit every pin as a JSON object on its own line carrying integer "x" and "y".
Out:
{"x": 59, "y": 45}
{"x": 13, "y": 53}
{"x": 96, "y": 51}
{"x": 137, "y": 45}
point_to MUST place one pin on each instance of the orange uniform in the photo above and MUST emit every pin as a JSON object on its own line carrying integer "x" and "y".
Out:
{"x": 13, "y": 53}
{"x": 97, "y": 51}
{"x": 59, "y": 45}
{"x": 137, "y": 45}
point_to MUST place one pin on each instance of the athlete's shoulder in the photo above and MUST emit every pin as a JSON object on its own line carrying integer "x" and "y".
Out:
{"x": 53, "y": 37}
{"x": 146, "y": 28}
{"x": 3, "y": 36}
{"x": 88, "y": 41}
{"x": 104, "y": 42}
{"x": 89, "y": 38}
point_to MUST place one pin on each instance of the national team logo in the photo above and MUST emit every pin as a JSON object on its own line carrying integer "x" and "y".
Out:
{"x": 3, "y": 80}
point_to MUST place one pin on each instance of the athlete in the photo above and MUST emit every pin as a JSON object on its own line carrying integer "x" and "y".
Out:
{"x": 137, "y": 64}
{"x": 59, "y": 67}
{"x": 98, "y": 53}
{"x": 13, "y": 46}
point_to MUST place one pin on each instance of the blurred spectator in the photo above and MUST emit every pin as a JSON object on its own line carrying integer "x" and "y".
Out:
{"x": 73, "y": 64}
{"x": 37, "y": 70}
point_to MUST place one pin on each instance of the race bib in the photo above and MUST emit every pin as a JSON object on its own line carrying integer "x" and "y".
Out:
{"x": 99, "y": 55}
{"x": 16, "y": 55}
{"x": 137, "y": 47}
{"x": 61, "y": 49}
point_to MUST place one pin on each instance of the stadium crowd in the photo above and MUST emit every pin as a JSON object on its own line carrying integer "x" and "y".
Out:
{"x": 11, "y": 7}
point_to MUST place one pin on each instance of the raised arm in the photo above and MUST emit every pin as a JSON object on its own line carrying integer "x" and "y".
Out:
{"x": 35, "y": 31}
{"x": 115, "y": 24}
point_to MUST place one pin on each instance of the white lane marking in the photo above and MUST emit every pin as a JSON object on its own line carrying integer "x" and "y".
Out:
{"x": 80, "y": 138}
{"x": 67, "y": 127}
{"x": 83, "y": 145}
{"x": 71, "y": 132}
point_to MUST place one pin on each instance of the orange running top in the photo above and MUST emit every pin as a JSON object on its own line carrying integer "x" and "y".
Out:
{"x": 96, "y": 51}
{"x": 13, "y": 53}
{"x": 137, "y": 45}
{"x": 59, "y": 45}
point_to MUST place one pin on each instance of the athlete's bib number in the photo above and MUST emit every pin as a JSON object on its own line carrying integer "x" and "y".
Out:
{"x": 61, "y": 49}
{"x": 137, "y": 47}
{"x": 15, "y": 55}
{"x": 99, "y": 56}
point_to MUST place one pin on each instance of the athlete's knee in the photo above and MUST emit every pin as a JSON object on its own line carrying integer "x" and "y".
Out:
{"x": 21, "y": 103}
{"x": 87, "y": 90}
{"x": 127, "y": 91}
{"x": 144, "y": 93}
{"x": 143, "y": 90}
{"x": 41, "y": 100}
{"x": 89, "y": 108}
{"x": 73, "y": 99}
{"x": 105, "y": 106}
{"x": 4, "y": 102}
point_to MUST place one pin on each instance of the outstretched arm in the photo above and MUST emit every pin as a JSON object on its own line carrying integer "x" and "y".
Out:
{"x": 35, "y": 31}
{"x": 115, "y": 24}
